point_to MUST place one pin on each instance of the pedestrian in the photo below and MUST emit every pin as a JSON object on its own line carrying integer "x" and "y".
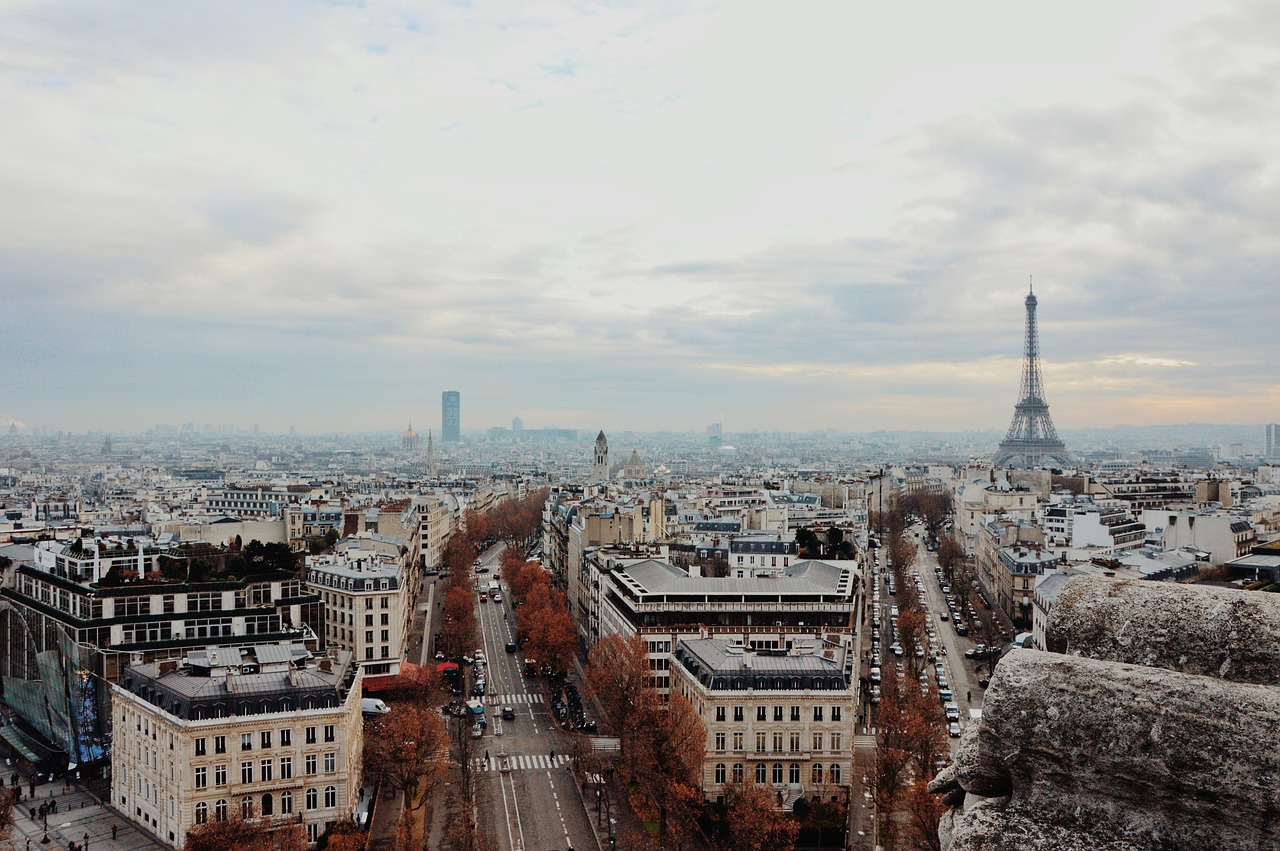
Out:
{"x": 553, "y": 755}
{"x": 486, "y": 756}
{"x": 968, "y": 695}
{"x": 113, "y": 833}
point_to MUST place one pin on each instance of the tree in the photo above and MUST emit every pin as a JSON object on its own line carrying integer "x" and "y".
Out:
{"x": 923, "y": 812}
{"x": 755, "y": 822}
{"x": 406, "y": 747}
{"x": 902, "y": 554}
{"x": 457, "y": 620}
{"x": 344, "y": 836}
{"x": 619, "y": 677}
{"x": 911, "y": 635}
{"x": 552, "y": 637}
{"x": 950, "y": 554}
{"x": 416, "y": 684}
{"x": 6, "y": 813}
{"x": 670, "y": 762}
{"x": 238, "y": 834}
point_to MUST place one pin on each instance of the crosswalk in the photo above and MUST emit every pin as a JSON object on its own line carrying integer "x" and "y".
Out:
{"x": 522, "y": 762}
{"x": 512, "y": 699}
{"x": 864, "y": 742}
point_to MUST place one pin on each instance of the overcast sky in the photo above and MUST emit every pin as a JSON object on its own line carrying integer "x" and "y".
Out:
{"x": 637, "y": 215}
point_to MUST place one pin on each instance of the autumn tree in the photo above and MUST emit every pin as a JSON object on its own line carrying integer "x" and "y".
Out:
{"x": 344, "y": 836}
{"x": 457, "y": 620}
{"x": 416, "y": 684}
{"x": 668, "y": 763}
{"x": 755, "y": 822}
{"x": 911, "y": 635}
{"x": 950, "y": 554}
{"x": 892, "y": 750}
{"x": 406, "y": 748}
{"x": 902, "y": 553}
{"x": 552, "y": 637}
{"x": 619, "y": 677}
{"x": 923, "y": 812}
{"x": 238, "y": 834}
{"x": 462, "y": 753}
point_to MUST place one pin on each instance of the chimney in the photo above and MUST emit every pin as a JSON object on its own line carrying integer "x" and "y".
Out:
{"x": 231, "y": 682}
{"x": 326, "y": 665}
{"x": 168, "y": 667}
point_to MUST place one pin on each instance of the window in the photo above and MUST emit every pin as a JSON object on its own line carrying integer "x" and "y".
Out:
{"x": 268, "y": 808}
{"x": 817, "y": 741}
{"x": 795, "y": 743}
{"x": 368, "y": 654}
{"x": 777, "y": 743}
{"x": 737, "y": 772}
{"x": 311, "y": 763}
{"x": 368, "y": 636}
{"x": 737, "y": 713}
{"x": 835, "y": 773}
{"x": 737, "y": 741}
{"x": 835, "y": 713}
{"x": 762, "y": 713}
{"x": 777, "y": 773}
{"x": 386, "y": 602}
{"x": 836, "y": 741}
{"x": 795, "y": 713}
{"x": 777, "y": 713}
{"x": 386, "y": 635}
{"x": 720, "y": 773}
{"x": 219, "y": 744}
{"x": 220, "y": 809}
{"x": 219, "y": 775}
{"x": 246, "y": 741}
{"x": 246, "y": 807}
{"x": 386, "y": 619}
{"x": 368, "y": 602}
{"x": 311, "y": 799}
{"x": 817, "y": 713}
{"x": 266, "y": 739}
{"x": 368, "y": 620}
{"x": 330, "y": 762}
{"x": 202, "y": 812}
{"x": 330, "y": 796}
{"x": 817, "y": 774}
{"x": 202, "y": 778}
{"x": 246, "y": 772}
{"x": 329, "y": 733}
{"x": 286, "y": 767}
{"x": 311, "y": 735}
{"x": 793, "y": 773}
{"x": 761, "y": 740}
{"x": 720, "y": 713}
{"x": 200, "y": 751}
{"x": 286, "y": 803}
{"x": 720, "y": 737}
{"x": 265, "y": 768}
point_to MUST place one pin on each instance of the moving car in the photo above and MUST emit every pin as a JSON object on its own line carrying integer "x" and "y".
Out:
{"x": 508, "y": 713}
{"x": 953, "y": 729}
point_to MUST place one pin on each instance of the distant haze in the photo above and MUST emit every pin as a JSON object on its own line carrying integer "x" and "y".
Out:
{"x": 647, "y": 215}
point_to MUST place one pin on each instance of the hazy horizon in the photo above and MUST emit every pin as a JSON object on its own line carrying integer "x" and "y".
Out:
{"x": 651, "y": 216}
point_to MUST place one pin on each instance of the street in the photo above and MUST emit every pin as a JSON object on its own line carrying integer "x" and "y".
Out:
{"x": 535, "y": 803}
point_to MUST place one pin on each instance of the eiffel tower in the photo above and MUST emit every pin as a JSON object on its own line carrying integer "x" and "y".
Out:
{"x": 1032, "y": 440}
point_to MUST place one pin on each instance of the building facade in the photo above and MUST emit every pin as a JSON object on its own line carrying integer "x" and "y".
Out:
{"x": 451, "y": 416}
{"x": 783, "y": 720}
{"x": 267, "y": 733}
{"x": 366, "y": 606}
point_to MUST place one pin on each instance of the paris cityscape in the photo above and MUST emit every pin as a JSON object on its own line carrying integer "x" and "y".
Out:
{"x": 639, "y": 426}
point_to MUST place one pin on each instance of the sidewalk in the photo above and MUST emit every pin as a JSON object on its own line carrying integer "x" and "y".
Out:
{"x": 80, "y": 813}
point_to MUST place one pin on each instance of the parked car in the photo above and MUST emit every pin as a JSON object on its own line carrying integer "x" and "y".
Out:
{"x": 371, "y": 707}
{"x": 953, "y": 712}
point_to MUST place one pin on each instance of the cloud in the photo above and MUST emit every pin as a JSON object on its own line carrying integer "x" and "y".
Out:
{"x": 640, "y": 214}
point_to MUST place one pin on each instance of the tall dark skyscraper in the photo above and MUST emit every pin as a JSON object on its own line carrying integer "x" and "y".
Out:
{"x": 451, "y": 416}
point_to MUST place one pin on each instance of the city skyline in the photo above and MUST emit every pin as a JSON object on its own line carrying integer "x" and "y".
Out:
{"x": 637, "y": 217}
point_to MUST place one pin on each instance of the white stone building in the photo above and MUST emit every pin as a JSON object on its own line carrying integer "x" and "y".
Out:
{"x": 268, "y": 733}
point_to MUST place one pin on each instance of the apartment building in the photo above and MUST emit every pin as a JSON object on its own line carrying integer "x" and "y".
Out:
{"x": 367, "y": 605}
{"x": 268, "y": 733}
{"x": 783, "y": 719}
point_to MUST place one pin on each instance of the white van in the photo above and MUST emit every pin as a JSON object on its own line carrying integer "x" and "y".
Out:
{"x": 372, "y": 707}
